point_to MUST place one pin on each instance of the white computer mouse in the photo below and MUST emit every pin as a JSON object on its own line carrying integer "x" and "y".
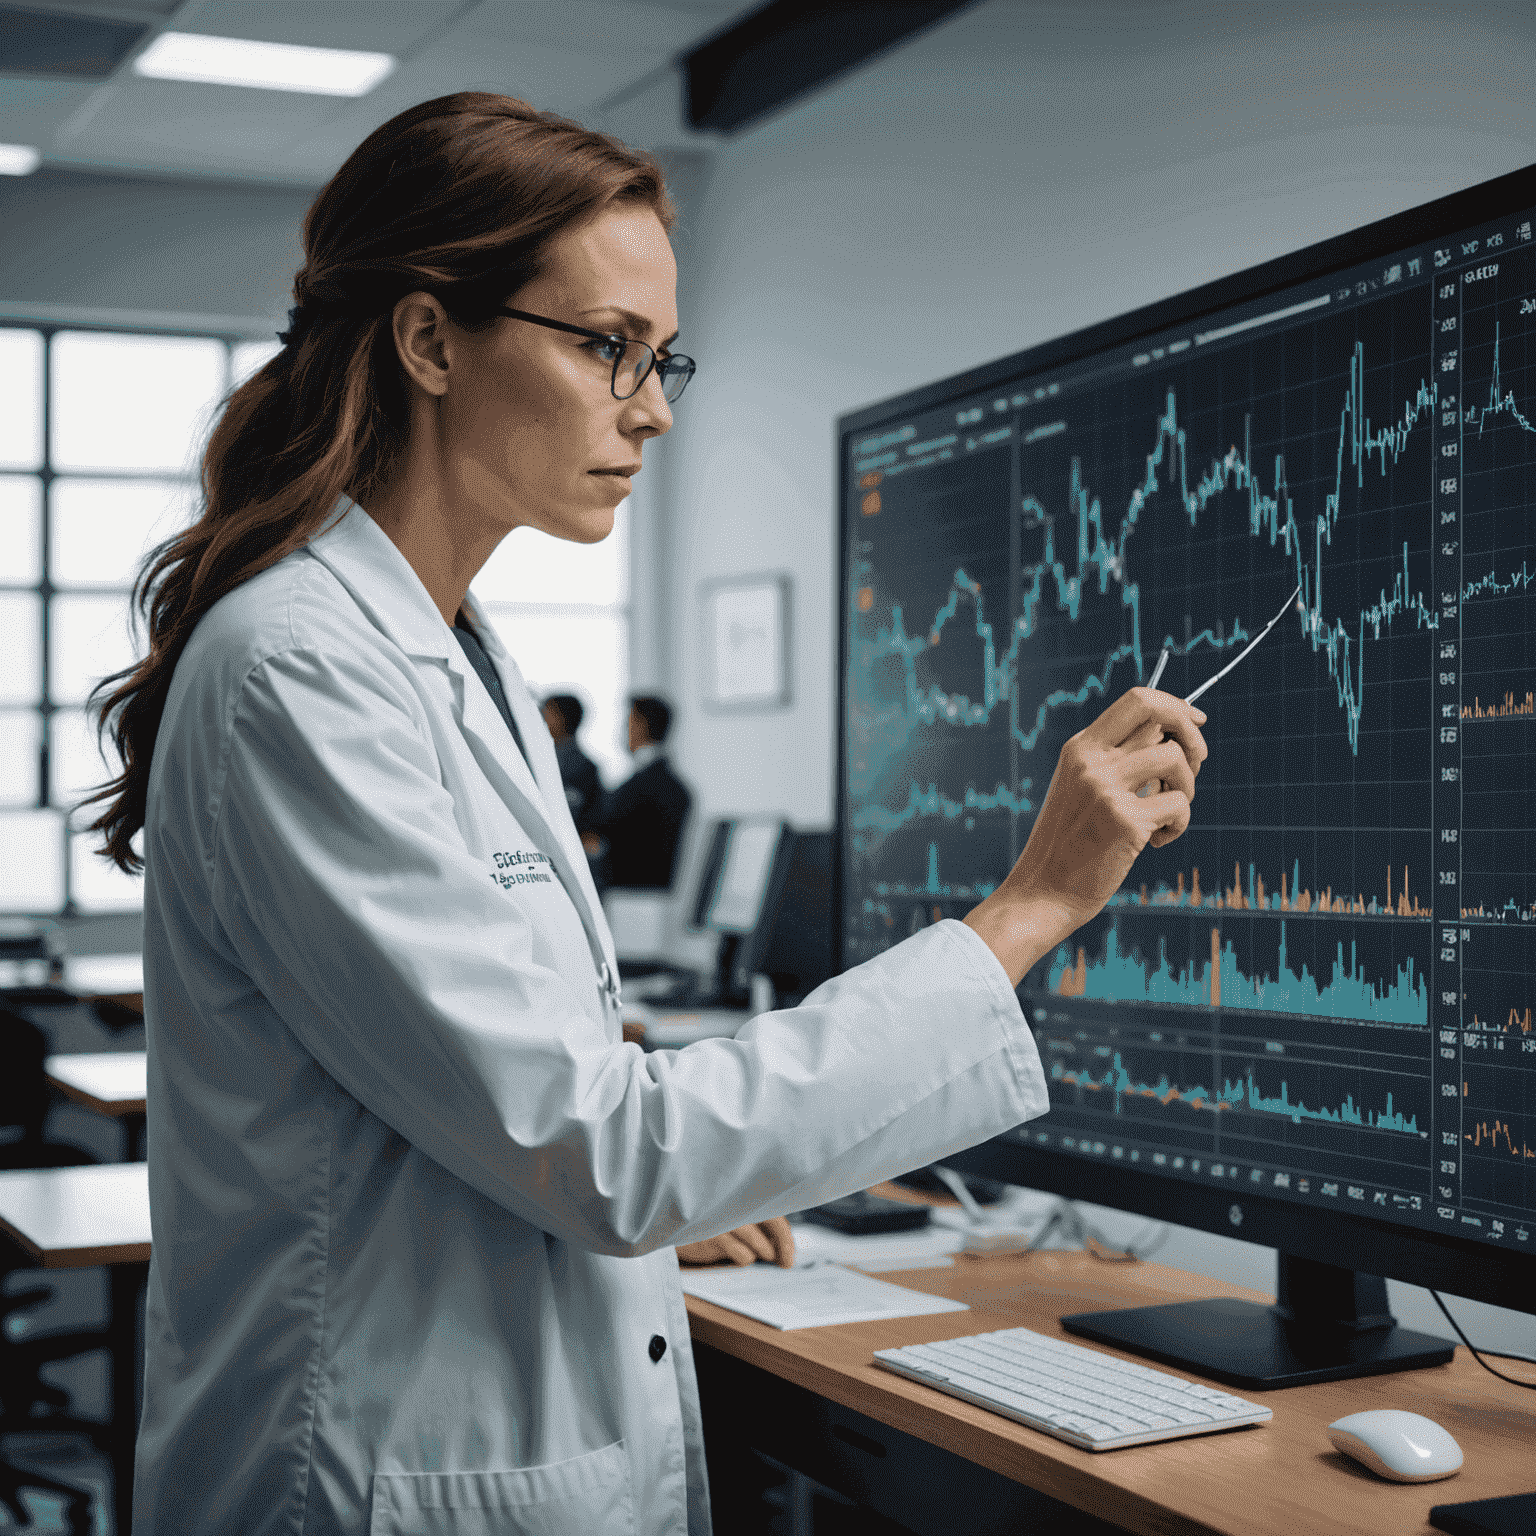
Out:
{"x": 1405, "y": 1447}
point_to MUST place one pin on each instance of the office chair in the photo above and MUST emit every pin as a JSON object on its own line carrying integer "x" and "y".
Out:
{"x": 28, "y": 1404}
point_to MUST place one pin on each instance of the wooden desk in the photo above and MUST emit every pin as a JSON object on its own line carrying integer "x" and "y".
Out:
{"x": 77, "y": 1218}
{"x": 108, "y": 1082}
{"x": 938, "y": 1465}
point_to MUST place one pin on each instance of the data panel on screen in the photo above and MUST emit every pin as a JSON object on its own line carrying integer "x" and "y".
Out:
{"x": 1324, "y": 990}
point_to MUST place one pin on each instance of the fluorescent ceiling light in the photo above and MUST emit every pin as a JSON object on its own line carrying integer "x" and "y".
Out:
{"x": 264, "y": 66}
{"x": 18, "y": 159}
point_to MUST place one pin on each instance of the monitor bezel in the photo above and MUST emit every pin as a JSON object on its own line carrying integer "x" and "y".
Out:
{"x": 708, "y": 876}
{"x": 1466, "y": 1267}
{"x": 780, "y": 829}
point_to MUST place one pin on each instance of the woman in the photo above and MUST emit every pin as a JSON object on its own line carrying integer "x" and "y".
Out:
{"x": 415, "y": 1203}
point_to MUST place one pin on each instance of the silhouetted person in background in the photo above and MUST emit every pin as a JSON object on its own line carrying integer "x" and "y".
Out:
{"x": 583, "y": 788}
{"x": 635, "y": 835}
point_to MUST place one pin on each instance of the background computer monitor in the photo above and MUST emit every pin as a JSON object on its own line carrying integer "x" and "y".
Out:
{"x": 742, "y": 872}
{"x": 746, "y": 871}
{"x": 794, "y": 942}
{"x": 1307, "y": 1022}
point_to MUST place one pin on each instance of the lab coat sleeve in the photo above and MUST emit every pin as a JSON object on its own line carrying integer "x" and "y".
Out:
{"x": 347, "y": 890}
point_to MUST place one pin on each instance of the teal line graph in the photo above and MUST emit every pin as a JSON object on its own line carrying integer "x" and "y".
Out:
{"x": 932, "y": 802}
{"x": 1498, "y": 405}
{"x": 1102, "y": 558}
{"x": 1491, "y": 586}
{"x": 1220, "y": 983}
{"x": 934, "y": 887}
{"x": 1243, "y": 1093}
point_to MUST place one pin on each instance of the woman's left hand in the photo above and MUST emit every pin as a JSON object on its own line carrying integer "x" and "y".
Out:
{"x": 772, "y": 1240}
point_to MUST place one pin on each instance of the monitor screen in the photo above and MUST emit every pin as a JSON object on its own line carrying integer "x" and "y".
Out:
{"x": 1321, "y": 995}
{"x": 742, "y": 885}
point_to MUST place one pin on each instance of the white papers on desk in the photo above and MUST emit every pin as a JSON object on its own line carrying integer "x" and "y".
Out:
{"x": 927, "y": 1248}
{"x": 103, "y": 975}
{"x": 813, "y": 1297}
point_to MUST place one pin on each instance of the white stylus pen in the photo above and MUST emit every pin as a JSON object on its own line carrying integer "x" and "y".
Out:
{"x": 1150, "y": 787}
{"x": 1211, "y": 682}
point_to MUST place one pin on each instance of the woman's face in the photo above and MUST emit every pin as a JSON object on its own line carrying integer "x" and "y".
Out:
{"x": 533, "y": 433}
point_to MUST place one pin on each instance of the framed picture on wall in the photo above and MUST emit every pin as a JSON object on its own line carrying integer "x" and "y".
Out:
{"x": 746, "y": 642}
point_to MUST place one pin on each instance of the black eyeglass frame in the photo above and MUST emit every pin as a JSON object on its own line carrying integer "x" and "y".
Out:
{"x": 668, "y": 365}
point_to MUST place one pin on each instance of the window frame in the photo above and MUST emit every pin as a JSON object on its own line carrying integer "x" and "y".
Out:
{"x": 45, "y": 707}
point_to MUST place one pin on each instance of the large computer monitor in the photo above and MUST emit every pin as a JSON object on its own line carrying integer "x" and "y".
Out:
{"x": 1307, "y": 1022}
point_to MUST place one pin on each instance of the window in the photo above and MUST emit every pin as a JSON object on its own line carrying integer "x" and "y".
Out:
{"x": 562, "y": 610}
{"x": 100, "y": 433}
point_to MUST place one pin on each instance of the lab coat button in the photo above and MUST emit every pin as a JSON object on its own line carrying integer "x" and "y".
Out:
{"x": 658, "y": 1346}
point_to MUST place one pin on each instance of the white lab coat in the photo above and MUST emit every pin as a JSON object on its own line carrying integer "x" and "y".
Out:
{"x": 414, "y": 1200}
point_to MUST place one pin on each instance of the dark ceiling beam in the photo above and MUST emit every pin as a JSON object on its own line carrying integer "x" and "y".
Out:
{"x": 790, "y": 47}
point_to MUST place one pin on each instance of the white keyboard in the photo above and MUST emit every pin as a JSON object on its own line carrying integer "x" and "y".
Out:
{"x": 1082, "y": 1396}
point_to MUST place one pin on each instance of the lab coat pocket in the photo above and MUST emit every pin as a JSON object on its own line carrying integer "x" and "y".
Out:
{"x": 588, "y": 1495}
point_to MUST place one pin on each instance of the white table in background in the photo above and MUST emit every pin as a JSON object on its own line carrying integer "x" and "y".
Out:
{"x": 108, "y": 1082}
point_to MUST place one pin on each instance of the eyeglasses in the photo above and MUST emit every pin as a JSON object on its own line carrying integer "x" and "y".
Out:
{"x": 632, "y": 360}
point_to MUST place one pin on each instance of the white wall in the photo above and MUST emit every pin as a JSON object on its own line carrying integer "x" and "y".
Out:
{"x": 1024, "y": 170}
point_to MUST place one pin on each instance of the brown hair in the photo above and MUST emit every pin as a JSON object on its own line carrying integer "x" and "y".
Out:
{"x": 457, "y": 197}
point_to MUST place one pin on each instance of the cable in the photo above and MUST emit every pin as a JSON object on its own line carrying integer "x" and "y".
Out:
{"x": 1497, "y": 1354}
{"x": 1133, "y": 1252}
{"x": 1066, "y": 1222}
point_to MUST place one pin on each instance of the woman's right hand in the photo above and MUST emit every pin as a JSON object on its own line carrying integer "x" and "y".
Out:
{"x": 772, "y": 1241}
{"x": 1093, "y": 824}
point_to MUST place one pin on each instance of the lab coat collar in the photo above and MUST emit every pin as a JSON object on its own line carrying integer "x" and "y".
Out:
{"x": 367, "y": 562}
{"x": 382, "y": 582}
{"x": 385, "y": 586}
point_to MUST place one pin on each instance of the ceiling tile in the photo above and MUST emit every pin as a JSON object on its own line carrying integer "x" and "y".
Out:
{"x": 31, "y": 111}
{"x": 596, "y": 26}
{"x": 563, "y": 79}
{"x": 719, "y": 10}
{"x": 552, "y": 79}
{"x": 141, "y": 8}
{"x": 378, "y": 26}
{"x": 173, "y": 123}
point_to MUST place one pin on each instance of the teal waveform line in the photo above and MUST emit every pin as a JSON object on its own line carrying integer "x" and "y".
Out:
{"x": 933, "y": 886}
{"x": 1220, "y": 983}
{"x": 932, "y": 802}
{"x": 1243, "y": 1093}
{"x": 1102, "y": 558}
{"x": 1498, "y": 405}
{"x": 1213, "y": 638}
{"x": 1491, "y": 586}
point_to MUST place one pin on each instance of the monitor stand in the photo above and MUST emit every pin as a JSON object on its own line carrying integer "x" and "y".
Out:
{"x": 727, "y": 993}
{"x": 1327, "y": 1324}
